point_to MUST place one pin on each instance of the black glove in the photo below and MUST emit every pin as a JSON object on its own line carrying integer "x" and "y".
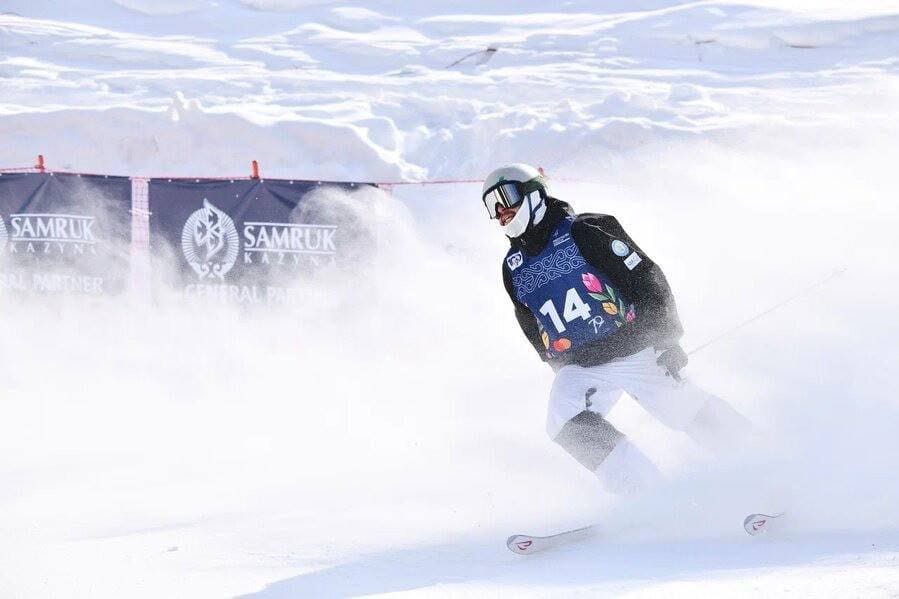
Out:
{"x": 672, "y": 359}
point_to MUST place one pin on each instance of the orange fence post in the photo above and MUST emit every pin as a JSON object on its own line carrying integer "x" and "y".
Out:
{"x": 255, "y": 169}
{"x": 40, "y": 163}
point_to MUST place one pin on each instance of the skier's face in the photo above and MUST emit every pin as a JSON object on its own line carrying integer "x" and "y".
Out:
{"x": 505, "y": 215}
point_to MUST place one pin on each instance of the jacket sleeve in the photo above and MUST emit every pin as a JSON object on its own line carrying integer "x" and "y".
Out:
{"x": 526, "y": 319}
{"x": 640, "y": 279}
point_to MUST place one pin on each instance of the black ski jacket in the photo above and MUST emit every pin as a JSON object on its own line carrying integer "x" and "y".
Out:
{"x": 657, "y": 323}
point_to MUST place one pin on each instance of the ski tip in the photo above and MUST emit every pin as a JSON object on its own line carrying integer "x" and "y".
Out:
{"x": 527, "y": 544}
{"x": 755, "y": 524}
{"x": 520, "y": 544}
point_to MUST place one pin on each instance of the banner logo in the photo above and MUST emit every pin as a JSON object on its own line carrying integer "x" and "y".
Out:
{"x": 272, "y": 243}
{"x": 49, "y": 234}
{"x": 210, "y": 242}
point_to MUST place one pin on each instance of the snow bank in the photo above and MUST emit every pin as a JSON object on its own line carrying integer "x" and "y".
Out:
{"x": 169, "y": 7}
{"x": 283, "y": 5}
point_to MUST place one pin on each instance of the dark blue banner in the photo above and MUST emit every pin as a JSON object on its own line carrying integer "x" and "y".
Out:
{"x": 64, "y": 233}
{"x": 245, "y": 241}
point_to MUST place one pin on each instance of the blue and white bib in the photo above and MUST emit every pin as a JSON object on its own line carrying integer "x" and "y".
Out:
{"x": 574, "y": 303}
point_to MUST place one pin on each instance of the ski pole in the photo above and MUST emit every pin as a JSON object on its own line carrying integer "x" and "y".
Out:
{"x": 795, "y": 296}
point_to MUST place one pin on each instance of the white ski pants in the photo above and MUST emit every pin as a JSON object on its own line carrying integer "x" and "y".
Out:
{"x": 598, "y": 388}
{"x": 581, "y": 398}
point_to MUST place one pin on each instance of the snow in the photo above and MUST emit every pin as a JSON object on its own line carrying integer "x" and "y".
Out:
{"x": 386, "y": 436}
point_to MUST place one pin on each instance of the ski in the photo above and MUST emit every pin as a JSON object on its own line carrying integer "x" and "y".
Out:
{"x": 528, "y": 544}
{"x": 755, "y": 524}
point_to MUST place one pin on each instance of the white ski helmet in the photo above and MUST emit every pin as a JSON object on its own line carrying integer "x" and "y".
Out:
{"x": 513, "y": 185}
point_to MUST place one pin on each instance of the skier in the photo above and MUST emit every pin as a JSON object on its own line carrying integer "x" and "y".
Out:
{"x": 601, "y": 313}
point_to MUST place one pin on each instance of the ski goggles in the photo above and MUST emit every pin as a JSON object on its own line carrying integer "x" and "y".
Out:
{"x": 505, "y": 194}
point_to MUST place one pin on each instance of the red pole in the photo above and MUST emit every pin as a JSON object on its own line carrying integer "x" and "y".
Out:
{"x": 255, "y": 169}
{"x": 40, "y": 163}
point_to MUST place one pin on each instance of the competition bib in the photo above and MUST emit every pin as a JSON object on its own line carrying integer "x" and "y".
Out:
{"x": 574, "y": 303}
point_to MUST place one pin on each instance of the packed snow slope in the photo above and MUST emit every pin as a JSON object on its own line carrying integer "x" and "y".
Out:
{"x": 386, "y": 435}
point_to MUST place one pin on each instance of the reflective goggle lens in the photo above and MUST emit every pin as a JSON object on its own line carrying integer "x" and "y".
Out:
{"x": 505, "y": 195}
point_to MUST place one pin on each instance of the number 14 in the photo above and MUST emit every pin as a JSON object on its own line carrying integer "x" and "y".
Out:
{"x": 575, "y": 308}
